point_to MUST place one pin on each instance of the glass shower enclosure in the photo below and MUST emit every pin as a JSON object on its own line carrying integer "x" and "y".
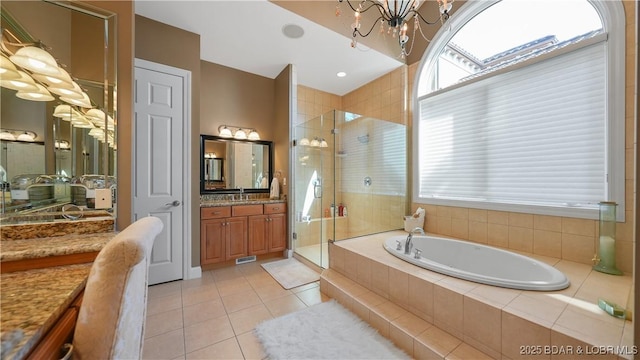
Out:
{"x": 350, "y": 180}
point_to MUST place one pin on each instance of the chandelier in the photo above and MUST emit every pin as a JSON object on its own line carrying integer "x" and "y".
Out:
{"x": 395, "y": 14}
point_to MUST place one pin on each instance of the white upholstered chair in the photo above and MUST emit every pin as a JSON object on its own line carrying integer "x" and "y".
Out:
{"x": 111, "y": 319}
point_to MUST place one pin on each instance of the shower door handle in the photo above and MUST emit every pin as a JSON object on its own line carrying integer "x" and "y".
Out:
{"x": 317, "y": 189}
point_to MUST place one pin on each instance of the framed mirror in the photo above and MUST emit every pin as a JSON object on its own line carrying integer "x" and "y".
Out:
{"x": 229, "y": 165}
{"x": 73, "y": 127}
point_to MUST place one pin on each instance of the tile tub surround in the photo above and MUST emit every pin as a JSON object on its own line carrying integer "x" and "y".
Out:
{"x": 58, "y": 228}
{"x": 33, "y": 300}
{"x": 407, "y": 303}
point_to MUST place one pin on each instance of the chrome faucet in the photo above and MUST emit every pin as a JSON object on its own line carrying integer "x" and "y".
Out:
{"x": 407, "y": 244}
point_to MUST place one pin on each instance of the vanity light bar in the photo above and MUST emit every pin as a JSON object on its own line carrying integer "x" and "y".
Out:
{"x": 228, "y": 131}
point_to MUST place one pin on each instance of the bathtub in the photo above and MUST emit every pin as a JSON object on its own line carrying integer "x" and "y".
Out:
{"x": 479, "y": 263}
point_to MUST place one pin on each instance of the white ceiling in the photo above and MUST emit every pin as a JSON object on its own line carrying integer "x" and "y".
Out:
{"x": 247, "y": 35}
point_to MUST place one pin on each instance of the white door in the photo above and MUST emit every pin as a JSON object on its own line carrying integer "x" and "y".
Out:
{"x": 159, "y": 166}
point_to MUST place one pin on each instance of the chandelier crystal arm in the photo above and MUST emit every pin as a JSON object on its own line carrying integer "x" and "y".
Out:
{"x": 380, "y": 8}
{"x": 445, "y": 16}
{"x": 356, "y": 31}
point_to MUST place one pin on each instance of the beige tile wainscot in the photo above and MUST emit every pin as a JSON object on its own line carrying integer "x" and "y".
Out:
{"x": 430, "y": 315}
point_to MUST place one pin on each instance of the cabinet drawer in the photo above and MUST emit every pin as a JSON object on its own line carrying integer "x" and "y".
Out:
{"x": 245, "y": 210}
{"x": 215, "y": 212}
{"x": 275, "y": 208}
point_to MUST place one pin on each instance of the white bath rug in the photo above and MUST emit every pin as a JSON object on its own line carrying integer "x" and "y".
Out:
{"x": 291, "y": 273}
{"x": 324, "y": 331}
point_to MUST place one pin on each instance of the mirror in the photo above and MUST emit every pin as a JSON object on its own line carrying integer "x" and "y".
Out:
{"x": 73, "y": 147}
{"x": 228, "y": 165}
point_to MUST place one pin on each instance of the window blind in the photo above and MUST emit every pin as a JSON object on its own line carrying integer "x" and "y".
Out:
{"x": 534, "y": 135}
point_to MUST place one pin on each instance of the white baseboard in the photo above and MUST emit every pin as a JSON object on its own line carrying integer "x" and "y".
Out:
{"x": 194, "y": 273}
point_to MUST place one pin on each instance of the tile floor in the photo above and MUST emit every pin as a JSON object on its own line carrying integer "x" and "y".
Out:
{"x": 213, "y": 317}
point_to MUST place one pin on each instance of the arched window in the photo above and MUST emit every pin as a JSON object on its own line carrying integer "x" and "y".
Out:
{"x": 520, "y": 107}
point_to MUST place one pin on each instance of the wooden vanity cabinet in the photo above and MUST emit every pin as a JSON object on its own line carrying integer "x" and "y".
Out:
{"x": 268, "y": 232}
{"x": 231, "y": 232}
{"x": 222, "y": 236}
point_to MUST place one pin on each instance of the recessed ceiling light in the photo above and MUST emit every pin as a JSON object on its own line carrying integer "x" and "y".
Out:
{"x": 341, "y": 74}
{"x": 292, "y": 31}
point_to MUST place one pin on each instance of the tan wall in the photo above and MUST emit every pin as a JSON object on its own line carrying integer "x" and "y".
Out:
{"x": 152, "y": 39}
{"x": 284, "y": 93}
{"x": 238, "y": 98}
{"x": 562, "y": 237}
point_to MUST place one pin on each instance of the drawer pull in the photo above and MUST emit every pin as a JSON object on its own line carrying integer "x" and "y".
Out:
{"x": 216, "y": 213}
{"x": 276, "y": 208}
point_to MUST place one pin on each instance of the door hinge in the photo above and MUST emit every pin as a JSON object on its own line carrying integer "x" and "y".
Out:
{"x": 295, "y": 236}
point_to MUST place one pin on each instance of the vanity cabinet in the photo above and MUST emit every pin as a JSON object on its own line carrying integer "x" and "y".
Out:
{"x": 231, "y": 232}
{"x": 268, "y": 232}
{"x": 223, "y": 237}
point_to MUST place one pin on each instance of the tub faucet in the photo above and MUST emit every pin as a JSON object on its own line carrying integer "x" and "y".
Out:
{"x": 407, "y": 244}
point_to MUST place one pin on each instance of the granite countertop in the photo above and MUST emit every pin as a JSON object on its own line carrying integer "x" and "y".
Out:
{"x": 32, "y": 301}
{"x": 214, "y": 203}
{"x": 13, "y": 250}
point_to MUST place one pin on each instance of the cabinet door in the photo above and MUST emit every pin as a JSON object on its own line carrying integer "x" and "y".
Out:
{"x": 277, "y": 232}
{"x": 236, "y": 245}
{"x": 212, "y": 241}
{"x": 258, "y": 243}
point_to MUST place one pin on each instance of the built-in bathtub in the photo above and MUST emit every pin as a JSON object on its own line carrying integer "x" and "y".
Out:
{"x": 478, "y": 263}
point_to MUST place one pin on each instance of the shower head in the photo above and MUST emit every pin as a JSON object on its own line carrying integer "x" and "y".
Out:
{"x": 364, "y": 139}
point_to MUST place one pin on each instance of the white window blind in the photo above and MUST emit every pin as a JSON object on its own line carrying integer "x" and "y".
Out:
{"x": 535, "y": 135}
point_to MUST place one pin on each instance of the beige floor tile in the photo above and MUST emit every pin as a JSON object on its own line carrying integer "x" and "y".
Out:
{"x": 166, "y": 346}
{"x": 246, "y": 320}
{"x": 206, "y": 278}
{"x": 163, "y": 322}
{"x": 160, "y": 290}
{"x": 207, "y": 333}
{"x": 239, "y": 301}
{"x": 166, "y": 303}
{"x": 261, "y": 279}
{"x": 233, "y": 286}
{"x": 312, "y": 296}
{"x": 284, "y": 305}
{"x": 227, "y": 273}
{"x": 272, "y": 291}
{"x": 194, "y": 295}
{"x": 251, "y": 347}
{"x": 203, "y": 311}
{"x": 251, "y": 268}
{"x": 306, "y": 287}
{"x": 227, "y": 349}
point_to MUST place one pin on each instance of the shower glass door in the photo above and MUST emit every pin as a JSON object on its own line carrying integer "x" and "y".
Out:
{"x": 314, "y": 188}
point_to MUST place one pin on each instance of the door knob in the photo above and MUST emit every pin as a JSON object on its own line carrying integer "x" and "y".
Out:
{"x": 174, "y": 203}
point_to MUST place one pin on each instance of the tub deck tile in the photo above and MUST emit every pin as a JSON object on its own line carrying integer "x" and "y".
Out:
{"x": 568, "y": 317}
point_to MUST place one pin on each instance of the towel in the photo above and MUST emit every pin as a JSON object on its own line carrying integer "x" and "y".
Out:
{"x": 275, "y": 189}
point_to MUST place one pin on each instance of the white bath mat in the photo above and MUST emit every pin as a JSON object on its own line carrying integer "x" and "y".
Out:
{"x": 324, "y": 331}
{"x": 291, "y": 273}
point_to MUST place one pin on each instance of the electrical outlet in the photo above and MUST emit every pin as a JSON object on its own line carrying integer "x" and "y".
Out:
{"x": 103, "y": 199}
